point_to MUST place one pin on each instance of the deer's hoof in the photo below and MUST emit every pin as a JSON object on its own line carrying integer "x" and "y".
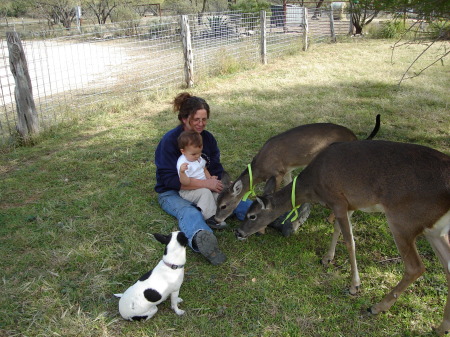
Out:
{"x": 374, "y": 310}
{"x": 354, "y": 290}
{"x": 326, "y": 261}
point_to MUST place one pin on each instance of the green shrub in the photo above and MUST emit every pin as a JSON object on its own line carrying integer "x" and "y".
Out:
{"x": 124, "y": 13}
{"x": 250, "y": 6}
{"x": 391, "y": 29}
{"x": 440, "y": 29}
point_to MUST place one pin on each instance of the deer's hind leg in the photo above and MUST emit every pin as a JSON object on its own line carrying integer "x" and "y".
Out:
{"x": 438, "y": 238}
{"x": 406, "y": 245}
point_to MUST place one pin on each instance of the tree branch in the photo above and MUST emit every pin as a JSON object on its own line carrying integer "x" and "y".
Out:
{"x": 422, "y": 70}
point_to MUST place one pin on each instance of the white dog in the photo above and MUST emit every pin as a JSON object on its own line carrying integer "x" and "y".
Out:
{"x": 141, "y": 299}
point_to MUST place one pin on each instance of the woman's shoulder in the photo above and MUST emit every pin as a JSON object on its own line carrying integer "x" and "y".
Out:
{"x": 171, "y": 136}
{"x": 175, "y": 132}
{"x": 206, "y": 135}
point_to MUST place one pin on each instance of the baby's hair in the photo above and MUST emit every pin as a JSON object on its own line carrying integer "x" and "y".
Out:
{"x": 189, "y": 137}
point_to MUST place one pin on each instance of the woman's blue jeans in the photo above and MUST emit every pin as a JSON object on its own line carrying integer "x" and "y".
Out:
{"x": 190, "y": 219}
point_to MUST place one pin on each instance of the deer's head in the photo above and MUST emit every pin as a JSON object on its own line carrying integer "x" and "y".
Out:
{"x": 229, "y": 198}
{"x": 260, "y": 214}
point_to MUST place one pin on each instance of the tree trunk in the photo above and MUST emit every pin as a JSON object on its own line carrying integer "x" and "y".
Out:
{"x": 316, "y": 10}
{"x": 358, "y": 28}
{"x": 28, "y": 122}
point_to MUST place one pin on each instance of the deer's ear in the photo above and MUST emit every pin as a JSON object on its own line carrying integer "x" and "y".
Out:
{"x": 237, "y": 188}
{"x": 264, "y": 202}
{"x": 270, "y": 186}
{"x": 226, "y": 180}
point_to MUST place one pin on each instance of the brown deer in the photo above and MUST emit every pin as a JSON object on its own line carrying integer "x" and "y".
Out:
{"x": 409, "y": 183}
{"x": 279, "y": 156}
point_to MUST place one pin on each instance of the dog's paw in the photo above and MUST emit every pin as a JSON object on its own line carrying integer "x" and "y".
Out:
{"x": 179, "y": 300}
{"x": 179, "y": 312}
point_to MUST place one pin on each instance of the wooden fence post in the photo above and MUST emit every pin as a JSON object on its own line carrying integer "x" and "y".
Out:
{"x": 263, "y": 37}
{"x": 333, "y": 34}
{"x": 305, "y": 28}
{"x": 187, "y": 51}
{"x": 28, "y": 122}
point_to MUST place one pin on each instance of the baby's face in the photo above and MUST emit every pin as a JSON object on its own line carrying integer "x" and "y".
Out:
{"x": 192, "y": 153}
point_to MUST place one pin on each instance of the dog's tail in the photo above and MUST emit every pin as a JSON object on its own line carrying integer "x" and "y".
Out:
{"x": 118, "y": 295}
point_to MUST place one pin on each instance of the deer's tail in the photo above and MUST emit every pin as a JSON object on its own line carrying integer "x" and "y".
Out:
{"x": 376, "y": 128}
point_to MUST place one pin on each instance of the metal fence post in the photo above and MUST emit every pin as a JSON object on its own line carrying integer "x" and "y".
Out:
{"x": 187, "y": 51}
{"x": 263, "y": 38}
{"x": 27, "y": 122}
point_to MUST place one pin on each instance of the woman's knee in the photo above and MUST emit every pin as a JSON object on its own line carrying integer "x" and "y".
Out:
{"x": 172, "y": 203}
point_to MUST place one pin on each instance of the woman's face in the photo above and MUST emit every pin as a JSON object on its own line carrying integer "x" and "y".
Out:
{"x": 196, "y": 122}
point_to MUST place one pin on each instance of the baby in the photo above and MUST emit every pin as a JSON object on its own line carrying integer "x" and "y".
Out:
{"x": 191, "y": 165}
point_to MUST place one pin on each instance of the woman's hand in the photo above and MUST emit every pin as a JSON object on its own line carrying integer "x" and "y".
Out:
{"x": 214, "y": 184}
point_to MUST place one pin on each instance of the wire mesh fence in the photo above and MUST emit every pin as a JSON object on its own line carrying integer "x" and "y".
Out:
{"x": 94, "y": 63}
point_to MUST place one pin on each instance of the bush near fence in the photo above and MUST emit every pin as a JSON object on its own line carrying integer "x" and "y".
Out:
{"x": 99, "y": 62}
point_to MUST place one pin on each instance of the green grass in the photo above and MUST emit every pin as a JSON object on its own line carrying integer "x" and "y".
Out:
{"x": 77, "y": 210}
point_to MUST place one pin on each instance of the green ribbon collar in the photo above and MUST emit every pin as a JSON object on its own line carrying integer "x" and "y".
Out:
{"x": 294, "y": 207}
{"x": 251, "y": 192}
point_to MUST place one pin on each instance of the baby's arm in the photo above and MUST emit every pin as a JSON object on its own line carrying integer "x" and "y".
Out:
{"x": 184, "y": 179}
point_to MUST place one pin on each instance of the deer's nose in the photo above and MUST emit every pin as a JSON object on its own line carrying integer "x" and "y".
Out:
{"x": 240, "y": 235}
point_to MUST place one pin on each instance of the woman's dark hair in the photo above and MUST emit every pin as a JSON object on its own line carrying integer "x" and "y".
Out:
{"x": 187, "y": 105}
{"x": 189, "y": 137}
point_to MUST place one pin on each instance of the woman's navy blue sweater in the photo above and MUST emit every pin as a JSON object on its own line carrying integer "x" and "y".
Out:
{"x": 167, "y": 153}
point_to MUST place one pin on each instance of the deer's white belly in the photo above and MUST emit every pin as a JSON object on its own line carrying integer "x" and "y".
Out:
{"x": 373, "y": 208}
{"x": 442, "y": 225}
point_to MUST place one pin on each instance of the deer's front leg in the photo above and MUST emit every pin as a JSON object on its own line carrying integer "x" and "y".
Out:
{"x": 343, "y": 218}
{"x": 329, "y": 256}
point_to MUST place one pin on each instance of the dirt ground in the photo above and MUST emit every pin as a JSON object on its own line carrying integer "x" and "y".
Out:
{"x": 55, "y": 67}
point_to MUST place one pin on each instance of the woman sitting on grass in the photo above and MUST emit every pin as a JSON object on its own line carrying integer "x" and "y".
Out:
{"x": 193, "y": 114}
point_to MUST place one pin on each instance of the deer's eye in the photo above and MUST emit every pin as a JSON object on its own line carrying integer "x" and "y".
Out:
{"x": 223, "y": 206}
{"x": 252, "y": 217}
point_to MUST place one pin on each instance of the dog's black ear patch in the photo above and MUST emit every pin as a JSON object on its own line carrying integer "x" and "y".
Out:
{"x": 164, "y": 239}
{"x": 138, "y": 318}
{"x": 182, "y": 239}
{"x": 146, "y": 275}
{"x": 152, "y": 295}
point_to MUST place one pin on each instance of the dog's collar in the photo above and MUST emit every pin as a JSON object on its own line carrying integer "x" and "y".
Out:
{"x": 173, "y": 266}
